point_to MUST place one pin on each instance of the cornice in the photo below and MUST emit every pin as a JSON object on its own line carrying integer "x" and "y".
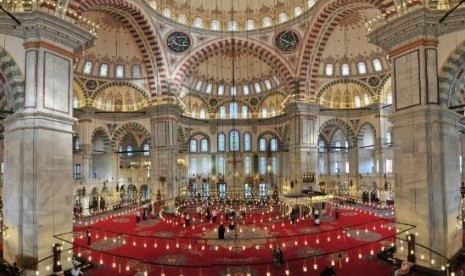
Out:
{"x": 419, "y": 24}
{"x": 41, "y": 26}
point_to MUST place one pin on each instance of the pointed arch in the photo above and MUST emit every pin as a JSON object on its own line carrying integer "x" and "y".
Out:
{"x": 262, "y": 52}
{"x": 337, "y": 123}
{"x": 12, "y": 81}
{"x": 140, "y": 25}
{"x": 129, "y": 127}
{"x": 452, "y": 78}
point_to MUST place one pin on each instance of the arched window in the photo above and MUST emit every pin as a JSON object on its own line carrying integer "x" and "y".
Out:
{"x": 262, "y": 165}
{"x": 247, "y": 141}
{"x": 389, "y": 98}
{"x": 198, "y": 22}
{"x": 87, "y": 70}
{"x": 357, "y": 101}
{"x": 193, "y": 113}
{"x": 345, "y": 69}
{"x": 119, "y": 71}
{"x": 273, "y": 112}
{"x": 264, "y": 113}
{"x": 234, "y": 137}
{"x": 108, "y": 105}
{"x": 268, "y": 84}
{"x": 204, "y": 145}
{"x": 245, "y": 111}
{"x": 202, "y": 114}
{"x": 267, "y": 21}
{"x": 129, "y": 150}
{"x": 250, "y": 24}
{"x": 146, "y": 148}
{"x": 377, "y": 65}
{"x": 182, "y": 18}
{"x": 311, "y": 3}
{"x": 321, "y": 146}
{"x": 209, "y": 88}
{"x": 362, "y": 68}
{"x": 245, "y": 89}
{"x": 258, "y": 88}
{"x": 233, "y": 90}
{"x": 215, "y": 25}
{"x": 193, "y": 145}
{"x": 136, "y": 71}
{"x": 298, "y": 11}
{"x": 262, "y": 144}
{"x": 232, "y": 25}
{"x": 283, "y": 17}
{"x": 221, "y": 142}
{"x": 233, "y": 110}
{"x": 103, "y": 71}
{"x": 329, "y": 69}
{"x": 222, "y": 112}
{"x": 388, "y": 137}
{"x": 274, "y": 144}
{"x": 247, "y": 165}
{"x": 220, "y": 90}
{"x": 98, "y": 103}
{"x": 166, "y": 12}
{"x": 75, "y": 102}
{"x": 337, "y": 145}
{"x": 366, "y": 99}
{"x": 198, "y": 85}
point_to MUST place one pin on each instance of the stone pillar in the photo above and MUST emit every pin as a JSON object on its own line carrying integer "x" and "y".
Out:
{"x": 426, "y": 138}
{"x": 38, "y": 141}
{"x": 303, "y": 143}
{"x": 164, "y": 122}
{"x": 84, "y": 128}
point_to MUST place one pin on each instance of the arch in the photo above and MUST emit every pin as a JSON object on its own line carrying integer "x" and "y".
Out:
{"x": 363, "y": 131}
{"x": 139, "y": 24}
{"x": 451, "y": 76}
{"x": 12, "y": 78}
{"x": 327, "y": 86}
{"x": 269, "y": 132}
{"x": 343, "y": 126}
{"x": 107, "y": 85}
{"x": 100, "y": 130}
{"x": 132, "y": 126}
{"x": 199, "y": 133}
{"x": 263, "y": 53}
{"x": 322, "y": 26}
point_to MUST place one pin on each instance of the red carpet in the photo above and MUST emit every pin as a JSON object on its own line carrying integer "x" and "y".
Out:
{"x": 350, "y": 244}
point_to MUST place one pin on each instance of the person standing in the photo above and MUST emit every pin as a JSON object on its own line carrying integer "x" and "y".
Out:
{"x": 221, "y": 231}
{"x": 336, "y": 212}
{"x": 277, "y": 256}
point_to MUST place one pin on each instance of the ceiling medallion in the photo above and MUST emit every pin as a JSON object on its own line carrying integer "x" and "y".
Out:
{"x": 91, "y": 84}
{"x": 287, "y": 41}
{"x": 373, "y": 81}
{"x": 178, "y": 42}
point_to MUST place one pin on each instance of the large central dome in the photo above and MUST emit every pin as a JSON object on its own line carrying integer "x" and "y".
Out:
{"x": 231, "y": 15}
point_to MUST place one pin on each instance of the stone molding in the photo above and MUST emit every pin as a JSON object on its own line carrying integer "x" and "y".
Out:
{"x": 41, "y": 26}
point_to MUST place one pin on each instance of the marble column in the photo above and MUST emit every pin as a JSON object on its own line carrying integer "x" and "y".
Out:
{"x": 164, "y": 121}
{"x": 38, "y": 141}
{"x": 462, "y": 153}
{"x": 303, "y": 143}
{"x": 426, "y": 139}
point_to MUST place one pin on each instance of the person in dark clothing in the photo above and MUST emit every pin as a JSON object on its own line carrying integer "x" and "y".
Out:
{"x": 329, "y": 271}
{"x": 336, "y": 212}
{"x": 221, "y": 231}
{"x": 277, "y": 256}
{"x": 88, "y": 237}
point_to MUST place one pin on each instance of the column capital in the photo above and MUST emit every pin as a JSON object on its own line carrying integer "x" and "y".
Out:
{"x": 165, "y": 112}
{"x": 302, "y": 108}
{"x": 41, "y": 26}
{"x": 418, "y": 25}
